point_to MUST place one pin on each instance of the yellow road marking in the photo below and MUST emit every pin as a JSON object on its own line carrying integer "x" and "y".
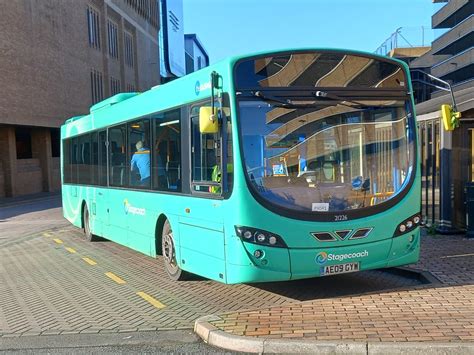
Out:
{"x": 89, "y": 261}
{"x": 71, "y": 250}
{"x": 46, "y": 234}
{"x": 58, "y": 241}
{"x": 151, "y": 300}
{"x": 456, "y": 256}
{"x": 115, "y": 277}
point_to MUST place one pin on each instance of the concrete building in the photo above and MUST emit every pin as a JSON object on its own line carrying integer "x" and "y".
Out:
{"x": 447, "y": 157}
{"x": 57, "y": 58}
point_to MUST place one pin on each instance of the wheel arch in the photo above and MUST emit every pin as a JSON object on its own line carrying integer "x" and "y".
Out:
{"x": 83, "y": 205}
{"x": 160, "y": 222}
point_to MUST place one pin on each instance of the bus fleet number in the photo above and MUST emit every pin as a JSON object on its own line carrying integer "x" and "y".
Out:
{"x": 340, "y": 217}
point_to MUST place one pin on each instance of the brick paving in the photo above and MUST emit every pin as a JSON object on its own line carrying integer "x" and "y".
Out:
{"x": 47, "y": 289}
{"x": 442, "y": 312}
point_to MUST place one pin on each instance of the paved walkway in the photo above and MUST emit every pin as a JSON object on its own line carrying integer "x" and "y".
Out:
{"x": 435, "y": 313}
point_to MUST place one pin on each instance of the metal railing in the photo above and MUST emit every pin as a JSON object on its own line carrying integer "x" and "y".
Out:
{"x": 406, "y": 37}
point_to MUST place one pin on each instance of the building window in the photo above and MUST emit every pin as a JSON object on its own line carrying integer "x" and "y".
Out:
{"x": 114, "y": 86}
{"x": 130, "y": 88}
{"x": 97, "y": 86}
{"x": 148, "y": 9}
{"x": 112, "y": 35}
{"x": 93, "y": 27}
{"x": 129, "y": 53}
{"x": 23, "y": 143}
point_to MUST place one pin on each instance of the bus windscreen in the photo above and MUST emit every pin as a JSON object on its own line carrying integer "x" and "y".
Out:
{"x": 319, "y": 69}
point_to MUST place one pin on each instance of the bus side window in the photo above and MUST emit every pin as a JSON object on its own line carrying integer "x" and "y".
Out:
{"x": 117, "y": 148}
{"x": 166, "y": 164}
{"x": 139, "y": 156}
{"x": 206, "y": 157}
{"x": 102, "y": 158}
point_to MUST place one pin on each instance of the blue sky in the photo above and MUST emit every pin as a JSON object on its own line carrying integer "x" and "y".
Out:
{"x": 229, "y": 27}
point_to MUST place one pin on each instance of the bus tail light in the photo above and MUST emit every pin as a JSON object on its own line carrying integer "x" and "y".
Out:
{"x": 260, "y": 237}
{"x": 408, "y": 225}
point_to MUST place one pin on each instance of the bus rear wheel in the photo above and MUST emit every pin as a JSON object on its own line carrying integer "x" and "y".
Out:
{"x": 169, "y": 254}
{"x": 87, "y": 225}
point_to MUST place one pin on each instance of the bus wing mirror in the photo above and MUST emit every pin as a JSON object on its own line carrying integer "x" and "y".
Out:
{"x": 208, "y": 122}
{"x": 450, "y": 117}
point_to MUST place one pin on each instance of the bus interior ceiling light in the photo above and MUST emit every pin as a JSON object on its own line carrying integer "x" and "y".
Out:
{"x": 169, "y": 123}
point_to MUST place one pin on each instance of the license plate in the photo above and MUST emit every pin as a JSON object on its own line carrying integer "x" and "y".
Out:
{"x": 339, "y": 269}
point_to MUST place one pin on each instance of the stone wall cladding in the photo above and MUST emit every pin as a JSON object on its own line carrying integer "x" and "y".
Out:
{"x": 46, "y": 65}
{"x": 46, "y": 59}
{"x": 29, "y": 177}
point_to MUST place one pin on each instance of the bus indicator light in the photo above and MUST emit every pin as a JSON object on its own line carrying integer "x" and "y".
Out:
{"x": 258, "y": 236}
{"x": 258, "y": 254}
{"x": 408, "y": 225}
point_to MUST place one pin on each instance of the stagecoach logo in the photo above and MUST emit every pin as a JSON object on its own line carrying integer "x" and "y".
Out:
{"x": 198, "y": 87}
{"x": 322, "y": 257}
{"x": 133, "y": 210}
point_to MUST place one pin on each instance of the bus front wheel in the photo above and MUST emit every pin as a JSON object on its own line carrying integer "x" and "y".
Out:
{"x": 169, "y": 254}
{"x": 87, "y": 225}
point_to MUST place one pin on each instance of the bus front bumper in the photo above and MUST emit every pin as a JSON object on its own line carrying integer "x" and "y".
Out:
{"x": 280, "y": 264}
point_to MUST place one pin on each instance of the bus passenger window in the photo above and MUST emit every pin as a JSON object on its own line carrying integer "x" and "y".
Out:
{"x": 166, "y": 163}
{"x": 83, "y": 160}
{"x": 139, "y": 156}
{"x": 117, "y": 162}
{"x": 103, "y": 158}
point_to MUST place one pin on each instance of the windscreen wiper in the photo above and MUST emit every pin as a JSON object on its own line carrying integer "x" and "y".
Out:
{"x": 319, "y": 94}
{"x": 326, "y": 97}
{"x": 283, "y": 103}
{"x": 355, "y": 104}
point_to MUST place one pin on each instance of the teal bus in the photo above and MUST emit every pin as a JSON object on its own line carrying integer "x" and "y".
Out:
{"x": 267, "y": 167}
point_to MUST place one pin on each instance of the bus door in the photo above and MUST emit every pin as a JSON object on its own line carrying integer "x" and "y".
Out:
{"x": 202, "y": 240}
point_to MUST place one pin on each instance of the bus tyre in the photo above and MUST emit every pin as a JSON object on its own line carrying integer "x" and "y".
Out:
{"x": 169, "y": 254}
{"x": 87, "y": 225}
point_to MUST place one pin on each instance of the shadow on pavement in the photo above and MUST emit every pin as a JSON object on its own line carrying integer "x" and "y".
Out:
{"x": 340, "y": 285}
{"x": 17, "y": 208}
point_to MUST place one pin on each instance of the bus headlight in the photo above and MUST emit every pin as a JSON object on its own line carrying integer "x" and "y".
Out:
{"x": 260, "y": 237}
{"x": 408, "y": 225}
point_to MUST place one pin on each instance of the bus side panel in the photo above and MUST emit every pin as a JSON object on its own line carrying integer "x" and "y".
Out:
{"x": 117, "y": 229}
{"x": 141, "y": 221}
{"x": 100, "y": 215}
{"x": 202, "y": 248}
{"x": 72, "y": 205}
